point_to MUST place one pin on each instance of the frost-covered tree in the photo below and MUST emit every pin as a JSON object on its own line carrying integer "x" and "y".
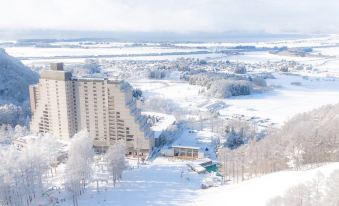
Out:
{"x": 116, "y": 162}
{"x": 229, "y": 88}
{"x": 239, "y": 132}
{"x": 52, "y": 151}
{"x": 234, "y": 140}
{"x": 224, "y": 85}
{"x": 22, "y": 174}
{"x": 240, "y": 69}
{"x": 157, "y": 74}
{"x": 92, "y": 66}
{"x": 332, "y": 190}
{"x": 6, "y": 133}
{"x": 307, "y": 139}
{"x": 318, "y": 191}
{"x": 163, "y": 105}
{"x": 170, "y": 134}
{"x": 20, "y": 131}
{"x": 296, "y": 196}
{"x": 137, "y": 93}
{"x": 13, "y": 114}
{"x": 78, "y": 171}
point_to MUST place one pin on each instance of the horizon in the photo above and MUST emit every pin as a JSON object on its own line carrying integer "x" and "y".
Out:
{"x": 171, "y": 17}
{"x": 83, "y": 35}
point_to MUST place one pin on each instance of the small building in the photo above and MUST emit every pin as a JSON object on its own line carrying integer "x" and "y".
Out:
{"x": 183, "y": 152}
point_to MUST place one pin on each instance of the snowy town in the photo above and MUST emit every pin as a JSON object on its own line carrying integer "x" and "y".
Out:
{"x": 191, "y": 112}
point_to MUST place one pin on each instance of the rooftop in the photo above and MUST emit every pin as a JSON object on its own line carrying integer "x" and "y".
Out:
{"x": 57, "y": 66}
{"x": 185, "y": 147}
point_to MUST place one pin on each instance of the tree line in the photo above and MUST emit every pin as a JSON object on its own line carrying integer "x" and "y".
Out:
{"x": 307, "y": 139}
{"x": 27, "y": 173}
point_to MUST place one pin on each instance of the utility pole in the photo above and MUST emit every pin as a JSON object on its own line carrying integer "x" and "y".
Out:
{"x": 225, "y": 166}
{"x": 138, "y": 151}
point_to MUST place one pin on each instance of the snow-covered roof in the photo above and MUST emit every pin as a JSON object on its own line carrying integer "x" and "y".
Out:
{"x": 185, "y": 147}
{"x": 196, "y": 139}
{"x": 197, "y": 168}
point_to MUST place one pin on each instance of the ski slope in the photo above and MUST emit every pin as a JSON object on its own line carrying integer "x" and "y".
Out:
{"x": 258, "y": 191}
{"x": 171, "y": 183}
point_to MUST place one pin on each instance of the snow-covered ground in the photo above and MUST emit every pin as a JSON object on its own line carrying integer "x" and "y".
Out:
{"x": 283, "y": 103}
{"x": 163, "y": 182}
{"x": 278, "y": 105}
{"x": 259, "y": 190}
{"x": 36, "y": 52}
{"x": 37, "y": 55}
{"x": 79, "y": 51}
{"x": 169, "y": 182}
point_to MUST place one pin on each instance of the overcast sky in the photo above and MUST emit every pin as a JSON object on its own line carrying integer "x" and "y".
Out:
{"x": 179, "y": 16}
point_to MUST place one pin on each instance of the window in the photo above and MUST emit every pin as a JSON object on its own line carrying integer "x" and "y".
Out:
{"x": 189, "y": 153}
{"x": 176, "y": 152}
{"x": 182, "y": 153}
{"x": 195, "y": 153}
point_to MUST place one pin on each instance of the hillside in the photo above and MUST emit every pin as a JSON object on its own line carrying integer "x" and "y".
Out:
{"x": 14, "y": 79}
{"x": 178, "y": 186}
{"x": 259, "y": 191}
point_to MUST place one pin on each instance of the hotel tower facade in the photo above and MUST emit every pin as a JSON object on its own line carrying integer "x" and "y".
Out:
{"x": 63, "y": 105}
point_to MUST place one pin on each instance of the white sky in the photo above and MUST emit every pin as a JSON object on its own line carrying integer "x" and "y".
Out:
{"x": 180, "y": 16}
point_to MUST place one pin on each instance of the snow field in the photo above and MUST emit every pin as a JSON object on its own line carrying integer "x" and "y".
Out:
{"x": 259, "y": 190}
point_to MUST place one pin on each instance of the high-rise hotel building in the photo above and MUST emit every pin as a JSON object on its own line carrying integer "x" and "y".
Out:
{"x": 63, "y": 105}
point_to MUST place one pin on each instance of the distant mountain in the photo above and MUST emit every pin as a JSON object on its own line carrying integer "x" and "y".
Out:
{"x": 14, "y": 79}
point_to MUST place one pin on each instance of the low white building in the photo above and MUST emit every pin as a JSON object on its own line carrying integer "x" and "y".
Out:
{"x": 183, "y": 152}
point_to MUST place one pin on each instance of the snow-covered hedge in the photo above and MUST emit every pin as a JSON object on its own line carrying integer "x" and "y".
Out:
{"x": 226, "y": 85}
{"x": 157, "y": 74}
{"x": 227, "y": 88}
